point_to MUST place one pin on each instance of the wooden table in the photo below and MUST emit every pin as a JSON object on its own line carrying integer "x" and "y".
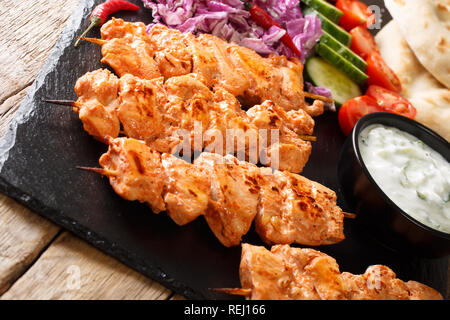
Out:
{"x": 39, "y": 260}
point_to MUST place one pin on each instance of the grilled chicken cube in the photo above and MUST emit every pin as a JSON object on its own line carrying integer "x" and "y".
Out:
{"x": 283, "y": 145}
{"x": 307, "y": 212}
{"x": 97, "y": 103}
{"x": 227, "y": 75}
{"x": 292, "y": 88}
{"x": 286, "y": 273}
{"x": 128, "y": 50}
{"x": 265, "y": 80}
{"x": 171, "y": 51}
{"x": 380, "y": 283}
{"x": 133, "y": 56}
{"x": 187, "y": 189}
{"x": 234, "y": 197}
{"x": 100, "y": 85}
{"x": 264, "y": 274}
{"x": 140, "y": 109}
{"x": 137, "y": 172}
{"x": 189, "y": 101}
{"x": 98, "y": 121}
{"x": 118, "y": 28}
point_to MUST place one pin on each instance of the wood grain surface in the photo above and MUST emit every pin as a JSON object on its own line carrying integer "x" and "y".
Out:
{"x": 38, "y": 260}
{"x": 72, "y": 269}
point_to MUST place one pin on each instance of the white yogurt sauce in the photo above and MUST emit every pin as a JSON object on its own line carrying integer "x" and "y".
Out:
{"x": 414, "y": 176}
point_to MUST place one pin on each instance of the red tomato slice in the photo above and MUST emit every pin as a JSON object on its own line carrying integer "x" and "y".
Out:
{"x": 356, "y": 14}
{"x": 363, "y": 43}
{"x": 380, "y": 74}
{"x": 354, "y": 109}
{"x": 391, "y": 101}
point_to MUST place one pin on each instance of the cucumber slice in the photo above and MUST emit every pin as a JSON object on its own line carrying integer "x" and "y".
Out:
{"x": 325, "y": 8}
{"x": 344, "y": 51}
{"x": 332, "y": 28}
{"x": 341, "y": 63}
{"x": 321, "y": 73}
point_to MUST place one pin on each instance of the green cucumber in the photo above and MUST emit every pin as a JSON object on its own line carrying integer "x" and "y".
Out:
{"x": 332, "y": 28}
{"x": 325, "y": 8}
{"x": 322, "y": 73}
{"x": 344, "y": 51}
{"x": 341, "y": 63}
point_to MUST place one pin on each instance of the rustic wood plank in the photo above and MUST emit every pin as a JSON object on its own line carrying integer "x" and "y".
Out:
{"x": 28, "y": 32}
{"x": 23, "y": 235}
{"x": 72, "y": 269}
{"x": 8, "y": 108}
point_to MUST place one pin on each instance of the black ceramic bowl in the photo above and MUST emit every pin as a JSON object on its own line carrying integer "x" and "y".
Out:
{"x": 375, "y": 210}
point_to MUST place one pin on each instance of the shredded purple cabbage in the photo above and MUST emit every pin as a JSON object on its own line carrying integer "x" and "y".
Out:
{"x": 229, "y": 20}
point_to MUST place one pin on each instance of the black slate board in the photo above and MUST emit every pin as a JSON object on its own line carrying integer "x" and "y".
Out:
{"x": 39, "y": 153}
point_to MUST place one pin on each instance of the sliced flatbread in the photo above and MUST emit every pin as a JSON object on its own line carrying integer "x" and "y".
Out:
{"x": 425, "y": 25}
{"x": 429, "y": 96}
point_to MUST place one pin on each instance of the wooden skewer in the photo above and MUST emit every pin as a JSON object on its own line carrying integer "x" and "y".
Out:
{"x": 234, "y": 291}
{"x": 317, "y": 97}
{"x": 308, "y": 138}
{"x": 69, "y": 103}
{"x": 349, "y": 215}
{"x": 101, "y": 171}
{"x": 94, "y": 40}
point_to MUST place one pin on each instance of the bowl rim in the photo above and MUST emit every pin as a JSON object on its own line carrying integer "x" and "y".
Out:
{"x": 375, "y": 118}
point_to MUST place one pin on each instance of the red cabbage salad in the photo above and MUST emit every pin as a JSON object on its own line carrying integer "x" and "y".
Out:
{"x": 228, "y": 19}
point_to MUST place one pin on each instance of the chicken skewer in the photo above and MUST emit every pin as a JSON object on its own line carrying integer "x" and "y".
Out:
{"x": 166, "y": 52}
{"x": 154, "y": 73}
{"x": 287, "y": 273}
{"x": 158, "y": 112}
{"x": 231, "y": 194}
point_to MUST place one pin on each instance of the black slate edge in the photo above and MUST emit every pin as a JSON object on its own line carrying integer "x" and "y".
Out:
{"x": 24, "y": 112}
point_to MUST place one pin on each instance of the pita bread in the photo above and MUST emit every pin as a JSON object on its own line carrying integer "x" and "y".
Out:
{"x": 429, "y": 96}
{"x": 425, "y": 24}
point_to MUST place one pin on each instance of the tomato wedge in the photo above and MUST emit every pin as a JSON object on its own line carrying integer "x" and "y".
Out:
{"x": 354, "y": 109}
{"x": 356, "y": 14}
{"x": 363, "y": 43}
{"x": 380, "y": 74}
{"x": 391, "y": 101}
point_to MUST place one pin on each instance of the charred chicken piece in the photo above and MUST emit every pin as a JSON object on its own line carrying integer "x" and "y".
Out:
{"x": 234, "y": 196}
{"x": 187, "y": 189}
{"x": 294, "y": 209}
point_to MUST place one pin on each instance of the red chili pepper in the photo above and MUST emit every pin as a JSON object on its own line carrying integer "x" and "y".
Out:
{"x": 264, "y": 20}
{"x": 104, "y": 10}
